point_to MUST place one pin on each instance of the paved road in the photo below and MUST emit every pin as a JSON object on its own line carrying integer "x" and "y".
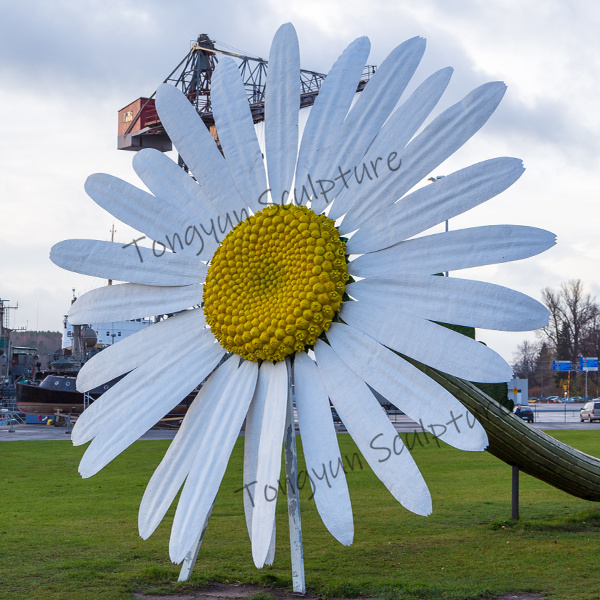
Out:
{"x": 557, "y": 413}
{"x": 49, "y": 432}
{"x": 401, "y": 422}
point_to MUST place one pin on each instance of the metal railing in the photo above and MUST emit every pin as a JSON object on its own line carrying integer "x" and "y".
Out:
{"x": 564, "y": 412}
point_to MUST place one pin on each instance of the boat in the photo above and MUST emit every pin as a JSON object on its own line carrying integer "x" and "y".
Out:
{"x": 54, "y": 390}
{"x": 55, "y": 393}
{"x": 58, "y": 394}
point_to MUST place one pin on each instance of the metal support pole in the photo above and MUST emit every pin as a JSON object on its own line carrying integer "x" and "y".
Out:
{"x": 293, "y": 497}
{"x": 190, "y": 558}
{"x": 68, "y": 424}
{"x": 515, "y": 493}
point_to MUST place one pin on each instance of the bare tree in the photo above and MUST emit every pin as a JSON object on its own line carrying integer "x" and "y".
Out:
{"x": 574, "y": 317}
{"x": 572, "y": 312}
{"x": 591, "y": 347}
{"x": 525, "y": 359}
{"x": 573, "y": 331}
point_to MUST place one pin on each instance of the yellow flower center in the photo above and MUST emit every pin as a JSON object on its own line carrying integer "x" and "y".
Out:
{"x": 275, "y": 283}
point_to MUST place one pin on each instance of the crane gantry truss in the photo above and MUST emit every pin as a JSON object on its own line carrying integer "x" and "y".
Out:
{"x": 193, "y": 77}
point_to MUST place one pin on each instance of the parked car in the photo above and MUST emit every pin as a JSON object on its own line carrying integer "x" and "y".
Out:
{"x": 334, "y": 414}
{"x": 590, "y": 411}
{"x": 552, "y": 399}
{"x": 524, "y": 412}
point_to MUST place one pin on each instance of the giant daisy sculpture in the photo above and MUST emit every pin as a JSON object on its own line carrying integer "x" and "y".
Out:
{"x": 257, "y": 269}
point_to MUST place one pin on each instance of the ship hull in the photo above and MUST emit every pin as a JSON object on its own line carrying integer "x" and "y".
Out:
{"x": 35, "y": 400}
{"x": 38, "y": 400}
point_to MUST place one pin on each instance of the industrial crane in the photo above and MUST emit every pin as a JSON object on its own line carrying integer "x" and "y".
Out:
{"x": 140, "y": 126}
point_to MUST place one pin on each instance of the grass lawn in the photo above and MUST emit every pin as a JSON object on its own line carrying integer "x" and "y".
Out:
{"x": 64, "y": 537}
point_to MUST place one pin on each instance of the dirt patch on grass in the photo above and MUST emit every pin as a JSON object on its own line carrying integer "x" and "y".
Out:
{"x": 521, "y": 597}
{"x": 223, "y": 591}
{"x": 254, "y": 592}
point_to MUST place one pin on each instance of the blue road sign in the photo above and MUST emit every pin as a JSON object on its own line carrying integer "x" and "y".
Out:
{"x": 561, "y": 365}
{"x": 588, "y": 364}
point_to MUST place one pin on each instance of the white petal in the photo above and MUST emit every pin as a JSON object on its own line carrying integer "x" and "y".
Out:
{"x": 127, "y": 263}
{"x": 282, "y": 103}
{"x": 252, "y": 433}
{"x": 271, "y": 395}
{"x": 406, "y": 120}
{"x": 136, "y": 349}
{"x": 169, "y": 182}
{"x": 177, "y": 462}
{"x": 236, "y": 132}
{"x": 132, "y": 301}
{"x": 457, "y": 301}
{"x": 395, "y": 134}
{"x": 454, "y": 250}
{"x": 372, "y": 431}
{"x": 434, "y": 203}
{"x": 199, "y": 151}
{"x": 365, "y": 119}
{"x": 439, "y": 140}
{"x": 271, "y": 553}
{"x": 321, "y": 450}
{"x": 413, "y": 392}
{"x": 155, "y": 218}
{"x": 427, "y": 342}
{"x": 252, "y": 436}
{"x": 146, "y": 396}
{"x": 211, "y": 460}
{"x": 328, "y": 112}
{"x": 94, "y": 418}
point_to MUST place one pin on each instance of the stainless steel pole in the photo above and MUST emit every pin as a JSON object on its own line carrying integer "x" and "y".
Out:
{"x": 190, "y": 559}
{"x": 515, "y": 493}
{"x": 293, "y": 498}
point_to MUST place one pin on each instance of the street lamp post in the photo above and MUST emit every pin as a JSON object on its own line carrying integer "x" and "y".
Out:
{"x": 433, "y": 180}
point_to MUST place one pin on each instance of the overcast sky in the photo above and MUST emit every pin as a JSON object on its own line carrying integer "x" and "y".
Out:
{"x": 68, "y": 66}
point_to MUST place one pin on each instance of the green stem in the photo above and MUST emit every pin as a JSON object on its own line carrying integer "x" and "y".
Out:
{"x": 516, "y": 443}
